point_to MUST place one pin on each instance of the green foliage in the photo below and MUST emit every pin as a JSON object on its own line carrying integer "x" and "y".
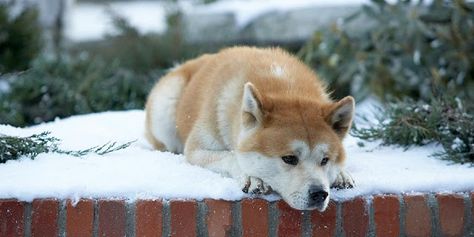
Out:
{"x": 20, "y": 38}
{"x": 208, "y": 1}
{"x": 406, "y": 49}
{"x": 116, "y": 74}
{"x": 60, "y": 87}
{"x": 13, "y": 147}
{"x": 444, "y": 121}
{"x": 423, "y": 56}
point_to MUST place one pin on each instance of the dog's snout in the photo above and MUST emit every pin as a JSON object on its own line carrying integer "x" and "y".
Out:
{"x": 317, "y": 194}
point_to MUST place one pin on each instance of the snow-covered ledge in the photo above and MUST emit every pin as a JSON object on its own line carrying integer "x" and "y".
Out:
{"x": 396, "y": 191}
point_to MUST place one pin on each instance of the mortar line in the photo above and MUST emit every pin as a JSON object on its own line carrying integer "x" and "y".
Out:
{"x": 370, "y": 212}
{"x": 306, "y": 224}
{"x": 273, "y": 216}
{"x": 201, "y": 219}
{"x": 166, "y": 218}
{"x": 434, "y": 211}
{"x": 236, "y": 219}
{"x": 27, "y": 217}
{"x": 62, "y": 218}
{"x": 130, "y": 218}
{"x": 95, "y": 221}
{"x": 402, "y": 209}
{"x": 339, "y": 221}
{"x": 468, "y": 228}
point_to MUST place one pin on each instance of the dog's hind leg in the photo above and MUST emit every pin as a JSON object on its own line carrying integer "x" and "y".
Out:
{"x": 160, "y": 124}
{"x": 157, "y": 145}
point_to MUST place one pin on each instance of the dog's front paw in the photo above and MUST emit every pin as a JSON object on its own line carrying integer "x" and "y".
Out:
{"x": 344, "y": 180}
{"x": 256, "y": 186}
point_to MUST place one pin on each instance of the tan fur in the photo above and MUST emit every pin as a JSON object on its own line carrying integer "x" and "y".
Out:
{"x": 292, "y": 106}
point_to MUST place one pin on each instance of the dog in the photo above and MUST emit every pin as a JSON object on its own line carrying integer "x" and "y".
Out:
{"x": 258, "y": 115}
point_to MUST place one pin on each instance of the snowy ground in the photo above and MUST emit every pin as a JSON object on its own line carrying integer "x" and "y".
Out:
{"x": 139, "y": 172}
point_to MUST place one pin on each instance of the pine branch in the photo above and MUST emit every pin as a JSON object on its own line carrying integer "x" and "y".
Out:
{"x": 100, "y": 150}
{"x": 13, "y": 147}
{"x": 444, "y": 121}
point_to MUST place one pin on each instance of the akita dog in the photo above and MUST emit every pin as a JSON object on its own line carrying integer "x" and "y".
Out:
{"x": 259, "y": 116}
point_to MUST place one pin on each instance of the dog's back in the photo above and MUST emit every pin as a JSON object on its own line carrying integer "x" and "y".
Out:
{"x": 207, "y": 92}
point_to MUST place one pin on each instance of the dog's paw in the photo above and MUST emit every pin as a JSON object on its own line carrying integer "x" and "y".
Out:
{"x": 344, "y": 180}
{"x": 256, "y": 186}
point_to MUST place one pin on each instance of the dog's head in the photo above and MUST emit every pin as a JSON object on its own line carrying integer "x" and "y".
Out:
{"x": 294, "y": 144}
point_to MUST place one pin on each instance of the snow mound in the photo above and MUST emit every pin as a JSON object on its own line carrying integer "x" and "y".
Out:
{"x": 140, "y": 172}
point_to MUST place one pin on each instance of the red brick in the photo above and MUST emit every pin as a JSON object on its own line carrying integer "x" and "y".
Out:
{"x": 183, "y": 218}
{"x": 324, "y": 223}
{"x": 451, "y": 214}
{"x": 417, "y": 216}
{"x": 219, "y": 217}
{"x": 289, "y": 221}
{"x": 79, "y": 218}
{"x": 387, "y": 215}
{"x": 112, "y": 218}
{"x": 11, "y": 218}
{"x": 149, "y": 218}
{"x": 355, "y": 217}
{"x": 254, "y": 217}
{"x": 44, "y": 217}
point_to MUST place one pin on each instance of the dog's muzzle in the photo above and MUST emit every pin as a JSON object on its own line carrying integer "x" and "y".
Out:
{"x": 317, "y": 196}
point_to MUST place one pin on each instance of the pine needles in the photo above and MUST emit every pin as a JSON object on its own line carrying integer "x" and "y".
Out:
{"x": 444, "y": 121}
{"x": 13, "y": 147}
{"x": 100, "y": 150}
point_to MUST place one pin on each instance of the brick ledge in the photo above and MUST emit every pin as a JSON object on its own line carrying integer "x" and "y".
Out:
{"x": 380, "y": 215}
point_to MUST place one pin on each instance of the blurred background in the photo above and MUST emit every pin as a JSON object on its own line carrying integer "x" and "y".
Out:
{"x": 416, "y": 58}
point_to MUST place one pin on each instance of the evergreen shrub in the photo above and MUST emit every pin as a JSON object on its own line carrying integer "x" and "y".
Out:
{"x": 418, "y": 58}
{"x": 404, "y": 49}
{"x": 444, "y": 121}
{"x": 20, "y": 38}
{"x": 65, "y": 86}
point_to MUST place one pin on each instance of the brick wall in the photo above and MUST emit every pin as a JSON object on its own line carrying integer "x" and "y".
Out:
{"x": 387, "y": 215}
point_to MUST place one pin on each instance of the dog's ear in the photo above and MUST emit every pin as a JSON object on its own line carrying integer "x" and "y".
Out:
{"x": 252, "y": 110}
{"x": 340, "y": 115}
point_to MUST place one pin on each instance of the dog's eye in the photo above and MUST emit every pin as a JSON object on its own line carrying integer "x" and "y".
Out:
{"x": 291, "y": 160}
{"x": 324, "y": 161}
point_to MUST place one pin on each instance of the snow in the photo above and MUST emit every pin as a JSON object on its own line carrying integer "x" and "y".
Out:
{"x": 137, "y": 172}
{"x": 89, "y": 21}
{"x": 457, "y": 143}
{"x": 378, "y": 170}
{"x": 140, "y": 172}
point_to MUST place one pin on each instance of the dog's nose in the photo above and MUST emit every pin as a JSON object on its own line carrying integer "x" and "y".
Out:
{"x": 317, "y": 194}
